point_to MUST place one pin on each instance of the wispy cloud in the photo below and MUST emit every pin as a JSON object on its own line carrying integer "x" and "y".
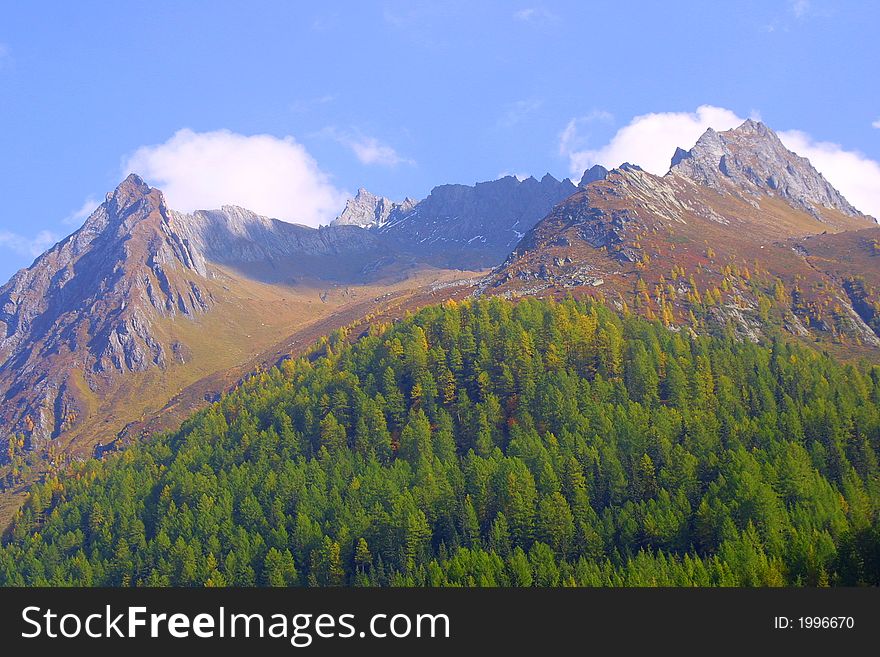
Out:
{"x": 534, "y": 14}
{"x": 572, "y": 139}
{"x": 516, "y": 112}
{"x": 794, "y": 14}
{"x": 301, "y": 105}
{"x": 800, "y": 8}
{"x": 276, "y": 177}
{"x": 416, "y": 14}
{"x": 368, "y": 150}
{"x": 425, "y": 23}
{"x": 77, "y": 217}
{"x": 324, "y": 22}
{"x": 28, "y": 246}
{"x": 5, "y": 56}
{"x": 876, "y": 124}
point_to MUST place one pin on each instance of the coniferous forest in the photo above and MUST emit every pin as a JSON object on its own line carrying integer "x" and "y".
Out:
{"x": 490, "y": 443}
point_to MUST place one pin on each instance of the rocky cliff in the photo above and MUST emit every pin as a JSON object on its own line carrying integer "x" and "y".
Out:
{"x": 367, "y": 210}
{"x": 115, "y": 298}
{"x": 751, "y": 160}
{"x": 475, "y": 226}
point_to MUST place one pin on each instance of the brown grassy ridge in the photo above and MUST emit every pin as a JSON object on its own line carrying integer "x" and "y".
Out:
{"x": 253, "y": 326}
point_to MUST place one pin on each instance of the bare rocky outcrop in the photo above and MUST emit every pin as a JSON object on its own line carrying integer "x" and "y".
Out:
{"x": 475, "y": 226}
{"x": 463, "y": 226}
{"x": 367, "y": 210}
{"x": 98, "y": 305}
{"x": 594, "y": 173}
{"x": 751, "y": 159}
{"x": 88, "y": 308}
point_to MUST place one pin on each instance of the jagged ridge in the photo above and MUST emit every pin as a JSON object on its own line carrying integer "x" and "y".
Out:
{"x": 752, "y": 159}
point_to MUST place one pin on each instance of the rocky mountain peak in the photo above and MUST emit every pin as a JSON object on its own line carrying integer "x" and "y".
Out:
{"x": 90, "y": 307}
{"x": 475, "y": 226}
{"x": 129, "y": 191}
{"x": 370, "y": 211}
{"x": 594, "y": 173}
{"x": 132, "y": 200}
{"x": 752, "y": 160}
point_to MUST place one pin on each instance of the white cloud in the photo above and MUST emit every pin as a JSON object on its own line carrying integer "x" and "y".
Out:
{"x": 28, "y": 246}
{"x": 271, "y": 176}
{"x": 572, "y": 139}
{"x": 855, "y": 175}
{"x": 307, "y": 104}
{"x": 800, "y": 8}
{"x": 533, "y": 14}
{"x": 76, "y": 217}
{"x": 368, "y": 150}
{"x": 5, "y": 56}
{"x": 876, "y": 124}
{"x": 648, "y": 140}
{"x": 516, "y": 112}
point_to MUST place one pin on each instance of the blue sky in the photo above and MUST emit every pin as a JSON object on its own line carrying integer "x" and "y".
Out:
{"x": 290, "y": 106}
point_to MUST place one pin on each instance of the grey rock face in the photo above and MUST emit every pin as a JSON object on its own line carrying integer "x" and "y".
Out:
{"x": 594, "y": 173}
{"x": 89, "y": 272}
{"x": 234, "y": 236}
{"x": 89, "y": 305}
{"x": 475, "y": 226}
{"x": 370, "y": 211}
{"x": 135, "y": 260}
{"x": 751, "y": 159}
{"x": 92, "y": 306}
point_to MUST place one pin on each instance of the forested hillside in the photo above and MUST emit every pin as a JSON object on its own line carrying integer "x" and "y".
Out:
{"x": 491, "y": 443}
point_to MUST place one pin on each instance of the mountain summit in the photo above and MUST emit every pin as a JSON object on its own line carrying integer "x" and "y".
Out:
{"x": 143, "y": 298}
{"x": 145, "y": 312}
{"x": 475, "y": 226}
{"x": 752, "y": 159}
{"x": 370, "y": 211}
{"x": 91, "y": 306}
{"x": 461, "y": 226}
{"x": 740, "y": 234}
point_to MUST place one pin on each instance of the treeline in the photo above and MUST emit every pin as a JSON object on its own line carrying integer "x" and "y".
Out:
{"x": 490, "y": 443}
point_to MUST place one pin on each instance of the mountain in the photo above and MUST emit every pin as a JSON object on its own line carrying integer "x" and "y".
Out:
{"x": 367, "y": 210}
{"x": 489, "y": 443}
{"x": 142, "y": 301}
{"x": 280, "y": 252}
{"x": 752, "y": 160}
{"x": 461, "y": 226}
{"x": 474, "y": 226}
{"x": 728, "y": 237}
{"x": 146, "y": 314}
{"x": 594, "y": 173}
{"x": 95, "y": 297}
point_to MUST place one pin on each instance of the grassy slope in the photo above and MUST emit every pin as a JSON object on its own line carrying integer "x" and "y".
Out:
{"x": 255, "y": 324}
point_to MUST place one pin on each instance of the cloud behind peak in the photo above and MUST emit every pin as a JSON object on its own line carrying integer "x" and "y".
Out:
{"x": 272, "y": 176}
